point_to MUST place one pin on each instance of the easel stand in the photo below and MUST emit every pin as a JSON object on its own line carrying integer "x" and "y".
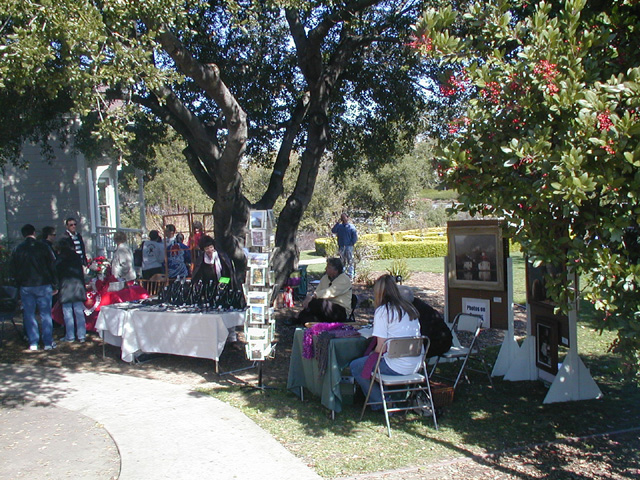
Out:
{"x": 573, "y": 380}
{"x": 509, "y": 348}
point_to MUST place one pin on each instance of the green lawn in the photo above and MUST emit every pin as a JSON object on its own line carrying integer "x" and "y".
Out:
{"x": 481, "y": 419}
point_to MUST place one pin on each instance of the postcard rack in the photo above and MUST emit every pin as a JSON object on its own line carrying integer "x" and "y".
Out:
{"x": 259, "y": 325}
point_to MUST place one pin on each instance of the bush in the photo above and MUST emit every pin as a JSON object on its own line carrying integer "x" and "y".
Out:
{"x": 399, "y": 268}
{"x": 424, "y": 249}
{"x": 421, "y": 243}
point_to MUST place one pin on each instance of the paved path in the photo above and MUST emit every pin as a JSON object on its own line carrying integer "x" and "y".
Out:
{"x": 162, "y": 431}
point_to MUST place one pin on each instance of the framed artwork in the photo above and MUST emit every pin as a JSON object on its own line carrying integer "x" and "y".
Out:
{"x": 547, "y": 344}
{"x": 257, "y": 259}
{"x": 476, "y": 255}
{"x": 258, "y": 276}
{"x": 257, "y": 219}
{"x": 256, "y": 334}
{"x": 258, "y": 298}
{"x": 259, "y": 238}
{"x": 256, "y": 313}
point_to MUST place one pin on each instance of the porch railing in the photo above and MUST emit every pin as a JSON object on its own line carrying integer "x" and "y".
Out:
{"x": 104, "y": 239}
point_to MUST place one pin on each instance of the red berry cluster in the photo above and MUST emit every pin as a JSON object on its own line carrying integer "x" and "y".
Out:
{"x": 422, "y": 43}
{"x": 548, "y": 72}
{"x": 604, "y": 121}
{"x": 491, "y": 92}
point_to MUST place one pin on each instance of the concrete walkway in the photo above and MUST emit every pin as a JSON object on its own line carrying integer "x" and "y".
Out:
{"x": 162, "y": 431}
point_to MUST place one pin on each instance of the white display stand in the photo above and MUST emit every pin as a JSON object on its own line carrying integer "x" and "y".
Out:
{"x": 509, "y": 348}
{"x": 573, "y": 380}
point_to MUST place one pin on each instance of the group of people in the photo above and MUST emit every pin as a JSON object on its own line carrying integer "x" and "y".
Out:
{"x": 46, "y": 267}
{"x": 200, "y": 252}
{"x": 398, "y": 314}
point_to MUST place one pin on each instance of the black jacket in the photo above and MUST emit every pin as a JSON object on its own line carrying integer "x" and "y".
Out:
{"x": 68, "y": 238}
{"x": 225, "y": 263}
{"x": 71, "y": 277}
{"x": 32, "y": 265}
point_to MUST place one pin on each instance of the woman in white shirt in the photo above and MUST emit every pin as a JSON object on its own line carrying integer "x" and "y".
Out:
{"x": 394, "y": 317}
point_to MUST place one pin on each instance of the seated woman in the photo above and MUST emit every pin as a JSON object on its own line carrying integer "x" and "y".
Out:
{"x": 394, "y": 317}
{"x": 213, "y": 265}
{"x": 331, "y": 302}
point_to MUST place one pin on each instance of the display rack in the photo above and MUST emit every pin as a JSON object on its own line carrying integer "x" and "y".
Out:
{"x": 259, "y": 325}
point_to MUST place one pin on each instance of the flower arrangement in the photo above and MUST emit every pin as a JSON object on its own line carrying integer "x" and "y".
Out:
{"x": 99, "y": 267}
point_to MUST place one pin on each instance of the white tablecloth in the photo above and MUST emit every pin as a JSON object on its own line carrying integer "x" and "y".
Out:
{"x": 193, "y": 335}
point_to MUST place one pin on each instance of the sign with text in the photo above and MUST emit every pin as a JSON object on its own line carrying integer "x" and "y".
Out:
{"x": 478, "y": 306}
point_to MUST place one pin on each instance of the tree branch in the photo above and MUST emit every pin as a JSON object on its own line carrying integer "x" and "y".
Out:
{"x": 275, "y": 188}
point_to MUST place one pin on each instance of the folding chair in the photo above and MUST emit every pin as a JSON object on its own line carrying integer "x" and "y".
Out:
{"x": 403, "y": 389}
{"x": 155, "y": 284}
{"x": 472, "y": 324}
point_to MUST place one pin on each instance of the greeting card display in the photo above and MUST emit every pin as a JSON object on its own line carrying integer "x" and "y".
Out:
{"x": 259, "y": 321}
{"x": 258, "y": 277}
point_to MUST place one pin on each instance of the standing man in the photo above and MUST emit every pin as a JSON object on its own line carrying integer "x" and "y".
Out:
{"x": 347, "y": 238}
{"x": 75, "y": 239}
{"x": 48, "y": 238}
{"x": 32, "y": 267}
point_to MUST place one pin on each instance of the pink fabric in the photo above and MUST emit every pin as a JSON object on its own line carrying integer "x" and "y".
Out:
{"x": 307, "y": 342}
{"x": 369, "y": 365}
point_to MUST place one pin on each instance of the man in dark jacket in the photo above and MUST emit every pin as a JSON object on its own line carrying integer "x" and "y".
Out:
{"x": 75, "y": 239}
{"x": 32, "y": 268}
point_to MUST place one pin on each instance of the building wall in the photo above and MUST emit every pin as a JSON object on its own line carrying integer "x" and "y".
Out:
{"x": 45, "y": 193}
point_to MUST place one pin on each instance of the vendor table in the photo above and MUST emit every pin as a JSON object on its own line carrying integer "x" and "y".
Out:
{"x": 201, "y": 335}
{"x": 304, "y": 372}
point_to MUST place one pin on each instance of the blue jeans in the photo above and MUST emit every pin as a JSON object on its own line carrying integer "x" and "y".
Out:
{"x": 40, "y": 297}
{"x": 68, "y": 310}
{"x": 346, "y": 255}
{"x": 376, "y": 395}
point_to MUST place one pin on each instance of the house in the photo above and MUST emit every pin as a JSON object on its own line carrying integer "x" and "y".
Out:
{"x": 48, "y": 192}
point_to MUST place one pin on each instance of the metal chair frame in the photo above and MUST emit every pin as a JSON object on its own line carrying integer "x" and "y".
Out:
{"x": 472, "y": 323}
{"x": 408, "y": 385}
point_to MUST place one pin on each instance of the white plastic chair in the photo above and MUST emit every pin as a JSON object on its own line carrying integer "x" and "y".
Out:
{"x": 408, "y": 386}
{"x": 470, "y": 323}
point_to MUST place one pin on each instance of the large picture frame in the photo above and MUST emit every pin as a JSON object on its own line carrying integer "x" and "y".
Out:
{"x": 476, "y": 255}
{"x": 547, "y": 344}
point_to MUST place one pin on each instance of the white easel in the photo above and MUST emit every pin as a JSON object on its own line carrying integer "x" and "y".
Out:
{"x": 509, "y": 348}
{"x": 573, "y": 380}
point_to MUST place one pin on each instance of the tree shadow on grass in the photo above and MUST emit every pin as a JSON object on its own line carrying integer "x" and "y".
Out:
{"x": 480, "y": 421}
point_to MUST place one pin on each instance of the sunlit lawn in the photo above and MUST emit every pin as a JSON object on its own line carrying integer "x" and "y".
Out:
{"x": 481, "y": 419}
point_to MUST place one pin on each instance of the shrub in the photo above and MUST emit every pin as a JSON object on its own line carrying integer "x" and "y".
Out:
{"x": 399, "y": 268}
{"x": 424, "y": 249}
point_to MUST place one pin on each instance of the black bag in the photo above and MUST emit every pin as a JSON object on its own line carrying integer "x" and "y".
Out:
{"x": 8, "y": 299}
{"x": 433, "y": 326}
{"x": 137, "y": 256}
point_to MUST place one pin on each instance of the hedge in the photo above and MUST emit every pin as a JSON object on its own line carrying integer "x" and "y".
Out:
{"x": 424, "y": 249}
{"x": 433, "y": 247}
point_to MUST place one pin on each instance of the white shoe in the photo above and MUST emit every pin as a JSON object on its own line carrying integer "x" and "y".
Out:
{"x": 50, "y": 347}
{"x": 33, "y": 347}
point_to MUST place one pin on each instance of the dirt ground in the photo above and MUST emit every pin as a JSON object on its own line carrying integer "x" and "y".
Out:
{"x": 602, "y": 457}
